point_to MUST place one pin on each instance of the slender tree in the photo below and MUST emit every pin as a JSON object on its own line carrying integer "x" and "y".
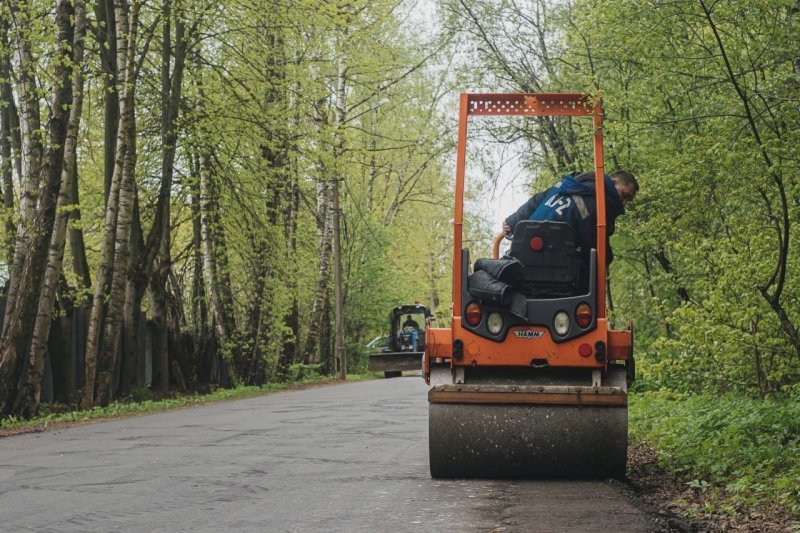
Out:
{"x": 44, "y": 315}
{"x": 41, "y": 181}
{"x": 113, "y": 261}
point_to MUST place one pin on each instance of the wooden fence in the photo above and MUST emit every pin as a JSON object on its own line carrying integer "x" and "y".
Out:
{"x": 65, "y": 355}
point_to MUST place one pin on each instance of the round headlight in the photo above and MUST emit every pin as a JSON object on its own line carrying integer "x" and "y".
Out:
{"x": 495, "y": 323}
{"x": 561, "y": 323}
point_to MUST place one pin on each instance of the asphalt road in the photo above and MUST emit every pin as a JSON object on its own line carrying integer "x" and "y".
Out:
{"x": 350, "y": 457}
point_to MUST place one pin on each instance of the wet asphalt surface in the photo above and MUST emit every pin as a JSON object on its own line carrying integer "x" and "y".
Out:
{"x": 349, "y": 457}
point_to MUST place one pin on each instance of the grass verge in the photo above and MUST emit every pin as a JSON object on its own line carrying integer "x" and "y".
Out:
{"x": 60, "y": 415}
{"x": 734, "y": 452}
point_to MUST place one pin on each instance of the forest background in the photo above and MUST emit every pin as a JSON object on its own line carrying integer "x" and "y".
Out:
{"x": 189, "y": 167}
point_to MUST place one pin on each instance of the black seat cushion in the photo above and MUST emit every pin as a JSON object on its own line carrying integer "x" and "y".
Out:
{"x": 556, "y": 264}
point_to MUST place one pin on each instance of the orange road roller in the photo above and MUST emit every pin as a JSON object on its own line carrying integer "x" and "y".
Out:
{"x": 529, "y": 381}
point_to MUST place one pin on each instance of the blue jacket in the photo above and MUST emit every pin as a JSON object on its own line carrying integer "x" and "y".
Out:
{"x": 572, "y": 200}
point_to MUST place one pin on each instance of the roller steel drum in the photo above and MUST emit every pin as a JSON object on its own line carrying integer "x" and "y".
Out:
{"x": 500, "y": 441}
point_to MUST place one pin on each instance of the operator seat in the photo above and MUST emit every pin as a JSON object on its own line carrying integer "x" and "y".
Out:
{"x": 544, "y": 261}
{"x": 550, "y": 256}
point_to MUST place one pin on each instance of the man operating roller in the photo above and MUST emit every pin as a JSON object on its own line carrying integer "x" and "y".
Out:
{"x": 572, "y": 200}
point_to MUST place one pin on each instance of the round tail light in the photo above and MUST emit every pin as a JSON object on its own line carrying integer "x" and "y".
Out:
{"x": 583, "y": 315}
{"x": 536, "y": 244}
{"x": 473, "y": 314}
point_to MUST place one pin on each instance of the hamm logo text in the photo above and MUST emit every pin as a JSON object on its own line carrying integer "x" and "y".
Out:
{"x": 528, "y": 334}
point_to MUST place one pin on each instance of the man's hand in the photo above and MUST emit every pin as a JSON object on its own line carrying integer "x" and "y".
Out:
{"x": 506, "y": 228}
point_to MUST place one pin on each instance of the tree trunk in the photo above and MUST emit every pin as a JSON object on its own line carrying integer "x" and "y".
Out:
{"x": 254, "y": 369}
{"x": 31, "y": 153}
{"x": 106, "y": 33}
{"x": 9, "y": 138}
{"x": 213, "y": 250}
{"x": 324, "y": 236}
{"x": 44, "y": 316}
{"x": 158, "y": 307}
{"x": 291, "y": 319}
{"x": 203, "y": 360}
{"x": 131, "y": 342}
{"x": 338, "y": 151}
{"x": 158, "y": 311}
{"x": 80, "y": 265}
{"x": 107, "y": 260}
{"x": 157, "y": 261}
{"x": 37, "y": 207}
{"x": 207, "y": 205}
{"x": 434, "y": 294}
{"x": 326, "y": 340}
{"x": 214, "y": 254}
{"x": 127, "y": 192}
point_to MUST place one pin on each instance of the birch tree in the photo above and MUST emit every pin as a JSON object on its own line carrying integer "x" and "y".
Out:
{"x": 113, "y": 261}
{"x": 41, "y": 173}
{"x": 55, "y": 256}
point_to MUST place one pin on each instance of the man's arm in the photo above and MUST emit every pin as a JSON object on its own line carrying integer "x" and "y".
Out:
{"x": 523, "y": 213}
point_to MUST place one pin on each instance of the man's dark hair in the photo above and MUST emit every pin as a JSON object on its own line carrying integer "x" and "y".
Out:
{"x": 626, "y": 178}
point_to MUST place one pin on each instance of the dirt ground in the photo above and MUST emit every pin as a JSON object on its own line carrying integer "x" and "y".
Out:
{"x": 682, "y": 509}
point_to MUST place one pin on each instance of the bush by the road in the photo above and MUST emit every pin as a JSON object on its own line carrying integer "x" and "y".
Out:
{"x": 743, "y": 449}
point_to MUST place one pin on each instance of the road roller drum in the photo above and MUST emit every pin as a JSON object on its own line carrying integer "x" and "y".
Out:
{"x": 528, "y": 440}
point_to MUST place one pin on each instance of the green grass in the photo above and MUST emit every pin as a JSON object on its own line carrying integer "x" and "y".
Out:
{"x": 739, "y": 448}
{"x": 139, "y": 402}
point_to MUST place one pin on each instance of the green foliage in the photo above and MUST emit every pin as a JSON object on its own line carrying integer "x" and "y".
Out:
{"x": 140, "y": 394}
{"x": 263, "y": 101}
{"x": 303, "y": 373}
{"x": 749, "y": 448}
{"x": 693, "y": 110}
{"x": 364, "y": 376}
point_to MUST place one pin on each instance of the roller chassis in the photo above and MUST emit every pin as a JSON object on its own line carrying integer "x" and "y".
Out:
{"x": 524, "y": 403}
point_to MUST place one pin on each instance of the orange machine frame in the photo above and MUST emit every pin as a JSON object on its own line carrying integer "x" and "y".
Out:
{"x": 520, "y": 351}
